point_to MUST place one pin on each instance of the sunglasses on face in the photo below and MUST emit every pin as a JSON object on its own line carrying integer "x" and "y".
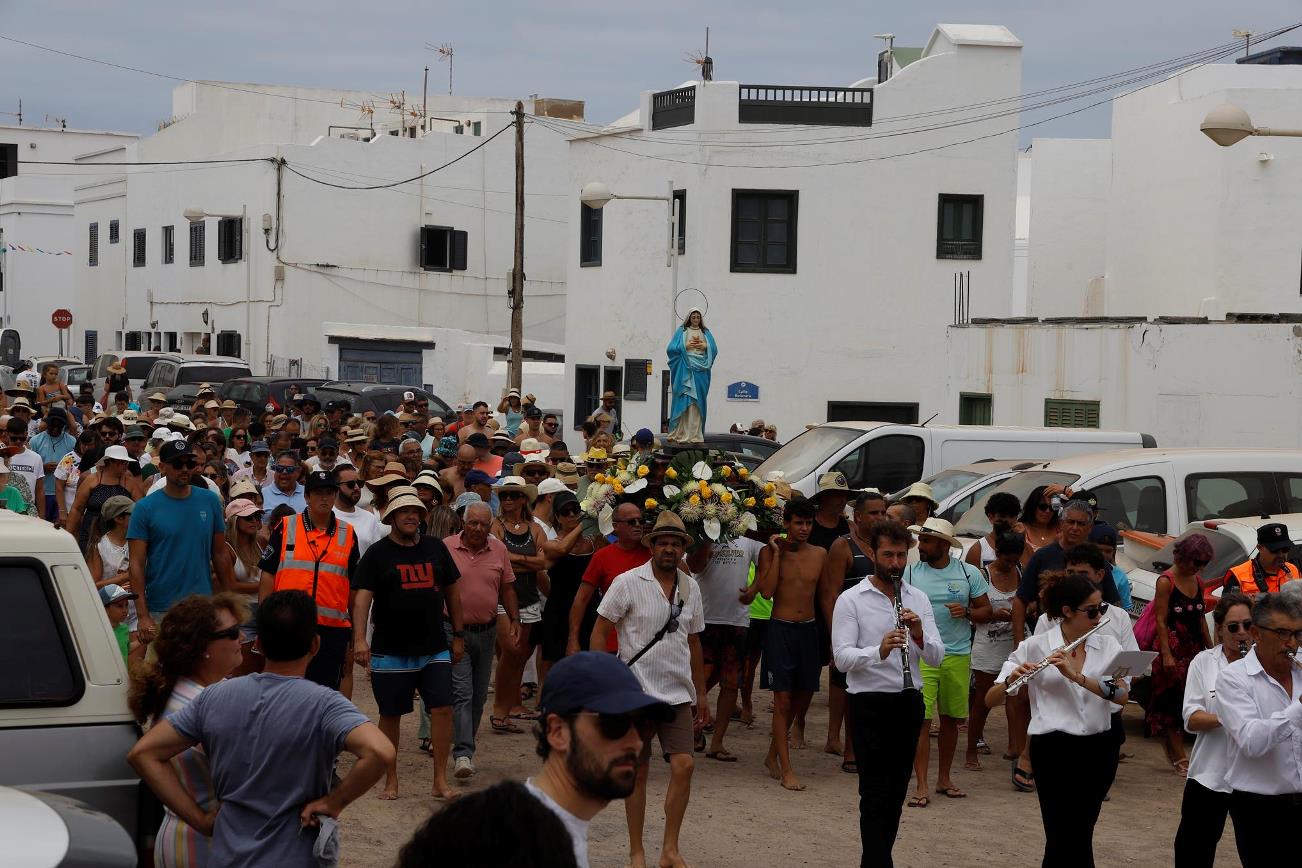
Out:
{"x": 540, "y": 473}
{"x": 183, "y": 464}
{"x": 615, "y": 726}
{"x": 352, "y": 483}
{"x": 510, "y": 495}
{"x": 1043, "y": 507}
{"x": 1093, "y": 612}
{"x": 281, "y": 468}
{"x": 1201, "y": 562}
{"x": 239, "y": 437}
{"x": 255, "y": 518}
{"x": 569, "y": 513}
{"x": 232, "y": 632}
{"x": 636, "y": 522}
{"x": 1236, "y": 626}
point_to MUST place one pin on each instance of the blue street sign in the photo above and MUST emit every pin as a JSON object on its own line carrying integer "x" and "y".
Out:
{"x": 743, "y": 391}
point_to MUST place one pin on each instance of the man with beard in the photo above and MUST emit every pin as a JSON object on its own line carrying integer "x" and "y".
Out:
{"x": 364, "y": 521}
{"x": 453, "y": 479}
{"x": 1002, "y": 510}
{"x": 593, "y": 720}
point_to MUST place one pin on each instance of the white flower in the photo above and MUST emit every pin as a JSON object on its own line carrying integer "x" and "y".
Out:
{"x": 671, "y": 491}
{"x": 711, "y": 526}
{"x": 605, "y": 521}
{"x": 749, "y": 522}
{"x": 774, "y": 476}
{"x": 702, "y": 471}
{"x": 635, "y": 487}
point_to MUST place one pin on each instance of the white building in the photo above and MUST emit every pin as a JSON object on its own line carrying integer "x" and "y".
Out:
{"x": 1171, "y": 270}
{"x": 41, "y": 244}
{"x": 281, "y": 251}
{"x": 811, "y": 234}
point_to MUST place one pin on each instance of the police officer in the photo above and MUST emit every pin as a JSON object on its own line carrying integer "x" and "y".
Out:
{"x": 1269, "y": 569}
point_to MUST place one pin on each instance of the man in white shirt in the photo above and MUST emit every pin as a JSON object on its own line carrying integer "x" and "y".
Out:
{"x": 884, "y": 696}
{"x": 656, "y": 609}
{"x": 1260, "y": 700}
{"x": 722, "y": 573}
{"x": 364, "y": 522}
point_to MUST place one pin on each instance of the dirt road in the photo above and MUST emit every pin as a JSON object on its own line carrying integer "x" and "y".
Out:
{"x": 739, "y": 817}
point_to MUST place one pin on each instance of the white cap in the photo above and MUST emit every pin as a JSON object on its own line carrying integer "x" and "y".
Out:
{"x": 408, "y": 396}
{"x": 551, "y": 486}
{"x": 117, "y": 453}
{"x": 161, "y": 434}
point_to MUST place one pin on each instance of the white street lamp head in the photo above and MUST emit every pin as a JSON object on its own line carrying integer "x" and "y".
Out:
{"x": 1227, "y": 124}
{"x": 596, "y": 194}
{"x": 194, "y": 215}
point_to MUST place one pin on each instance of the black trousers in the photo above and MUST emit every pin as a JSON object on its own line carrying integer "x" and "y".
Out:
{"x": 1072, "y": 775}
{"x": 327, "y": 667}
{"x": 884, "y": 727}
{"x": 1202, "y": 821}
{"x": 1260, "y": 824}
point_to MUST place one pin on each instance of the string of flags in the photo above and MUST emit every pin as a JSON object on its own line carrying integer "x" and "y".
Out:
{"x": 27, "y": 248}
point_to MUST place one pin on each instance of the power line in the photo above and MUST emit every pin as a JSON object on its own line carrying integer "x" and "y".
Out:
{"x": 482, "y": 144}
{"x": 146, "y": 162}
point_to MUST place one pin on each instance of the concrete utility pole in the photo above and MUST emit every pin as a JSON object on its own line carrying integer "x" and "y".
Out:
{"x": 517, "y": 271}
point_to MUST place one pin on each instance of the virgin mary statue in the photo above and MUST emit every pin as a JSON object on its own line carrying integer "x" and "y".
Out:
{"x": 691, "y": 356}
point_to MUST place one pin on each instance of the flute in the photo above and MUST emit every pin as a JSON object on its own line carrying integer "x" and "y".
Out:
{"x": 1066, "y": 647}
{"x": 899, "y": 625}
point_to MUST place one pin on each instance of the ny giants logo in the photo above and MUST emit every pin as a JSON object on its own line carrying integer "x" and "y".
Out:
{"x": 416, "y": 576}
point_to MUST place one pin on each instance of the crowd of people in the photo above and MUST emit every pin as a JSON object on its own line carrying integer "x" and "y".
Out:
{"x": 253, "y": 567}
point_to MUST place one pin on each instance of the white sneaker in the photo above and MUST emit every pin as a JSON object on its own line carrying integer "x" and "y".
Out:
{"x": 463, "y": 769}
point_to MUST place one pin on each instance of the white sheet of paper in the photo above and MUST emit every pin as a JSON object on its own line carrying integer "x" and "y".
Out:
{"x": 1130, "y": 664}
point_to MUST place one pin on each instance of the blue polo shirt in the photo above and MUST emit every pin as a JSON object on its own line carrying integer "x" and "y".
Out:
{"x": 273, "y": 497}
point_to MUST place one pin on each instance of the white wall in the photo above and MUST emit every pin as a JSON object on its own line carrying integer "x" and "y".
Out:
{"x": 36, "y": 212}
{"x": 1068, "y": 225}
{"x": 863, "y": 318}
{"x": 1213, "y": 384}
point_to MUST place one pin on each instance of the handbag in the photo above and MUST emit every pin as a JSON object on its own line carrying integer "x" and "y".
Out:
{"x": 1146, "y": 627}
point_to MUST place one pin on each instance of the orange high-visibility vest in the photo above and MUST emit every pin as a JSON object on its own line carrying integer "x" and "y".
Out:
{"x": 1252, "y": 579}
{"x": 320, "y": 573}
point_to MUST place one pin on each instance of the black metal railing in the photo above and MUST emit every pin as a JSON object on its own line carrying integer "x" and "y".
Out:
{"x": 958, "y": 249}
{"x": 785, "y": 104}
{"x": 673, "y": 108}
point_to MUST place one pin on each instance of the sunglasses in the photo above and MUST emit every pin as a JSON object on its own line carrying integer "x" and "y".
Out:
{"x": 570, "y": 513}
{"x": 1043, "y": 507}
{"x": 1201, "y": 562}
{"x": 255, "y": 517}
{"x": 632, "y": 521}
{"x": 232, "y": 632}
{"x": 350, "y": 484}
{"x": 1284, "y": 633}
{"x": 280, "y": 468}
{"x": 182, "y": 464}
{"x": 510, "y": 495}
{"x": 1236, "y": 626}
{"x": 616, "y": 726}
{"x": 1093, "y": 612}
{"x": 675, "y": 612}
{"x": 540, "y": 473}
{"x": 239, "y": 437}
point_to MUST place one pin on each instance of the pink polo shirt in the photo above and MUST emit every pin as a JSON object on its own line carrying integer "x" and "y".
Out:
{"x": 483, "y": 573}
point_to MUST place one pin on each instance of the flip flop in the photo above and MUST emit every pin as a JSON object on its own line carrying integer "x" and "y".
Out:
{"x": 425, "y": 745}
{"x": 850, "y": 767}
{"x": 721, "y": 755}
{"x": 526, "y": 715}
{"x": 982, "y": 747}
{"x": 1024, "y": 781}
{"x": 952, "y": 792}
{"x": 973, "y": 767}
{"x": 698, "y": 742}
{"x": 919, "y": 801}
{"x": 503, "y": 725}
{"x": 1181, "y": 767}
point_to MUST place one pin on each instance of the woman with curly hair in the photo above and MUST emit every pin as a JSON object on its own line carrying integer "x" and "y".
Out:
{"x": 1181, "y": 633}
{"x": 198, "y": 644}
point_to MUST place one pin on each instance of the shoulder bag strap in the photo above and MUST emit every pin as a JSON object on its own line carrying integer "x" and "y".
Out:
{"x": 660, "y": 634}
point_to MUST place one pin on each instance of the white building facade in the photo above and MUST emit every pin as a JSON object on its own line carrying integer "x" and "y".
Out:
{"x": 260, "y": 251}
{"x": 824, "y": 256}
{"x": 41, "y": 240}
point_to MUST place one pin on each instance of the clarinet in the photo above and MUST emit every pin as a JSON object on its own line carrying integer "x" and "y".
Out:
{"x": 899, "y": 625}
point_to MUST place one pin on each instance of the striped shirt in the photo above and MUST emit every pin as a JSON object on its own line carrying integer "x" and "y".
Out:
{"x": 637, "y": 606}
{"x": 179, "y": 844}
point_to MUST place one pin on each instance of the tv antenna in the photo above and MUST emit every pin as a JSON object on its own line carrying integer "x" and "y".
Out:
{"x": 1246, "y": 36}
{"x": 445, "y": 52}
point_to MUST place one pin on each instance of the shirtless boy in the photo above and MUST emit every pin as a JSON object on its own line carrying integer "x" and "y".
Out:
{"x": 790, "y": 571}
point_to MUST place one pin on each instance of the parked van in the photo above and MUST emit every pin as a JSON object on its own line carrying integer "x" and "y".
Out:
{"x": 957, "y": 488}
{"x": 889, "y": 456}
{"x": 64, "y": 722}
{"x": 137, "y": 362}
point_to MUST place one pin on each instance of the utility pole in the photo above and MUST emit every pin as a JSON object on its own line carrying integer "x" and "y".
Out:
{"x": 517, "y": 271}
{"x": 424, "y": 102}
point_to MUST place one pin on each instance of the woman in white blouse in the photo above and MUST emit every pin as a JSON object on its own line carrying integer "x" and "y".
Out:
{"x": 1072, "y": 747}
{"x": 1206, "y": 793}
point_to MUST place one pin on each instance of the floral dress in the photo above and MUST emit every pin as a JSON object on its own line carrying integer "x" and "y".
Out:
{"x": 1184, "y": 632}
{"x": 178, "y": 845}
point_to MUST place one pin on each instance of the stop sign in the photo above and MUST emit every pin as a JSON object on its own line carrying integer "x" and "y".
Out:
{"x": 61, "y": 318}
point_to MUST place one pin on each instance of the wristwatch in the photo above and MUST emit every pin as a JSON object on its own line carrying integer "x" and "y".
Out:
{"x": 1113, "y": 689}
{"x": 458, "y": 634}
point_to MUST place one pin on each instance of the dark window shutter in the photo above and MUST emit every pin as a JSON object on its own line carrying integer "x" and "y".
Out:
{"x": 228, "y": 343}
{"x": 92, "y": 344}
{"x": 132, "y": 341}
{"x": 635, "y": 379}
{"x": 8, "y": 160}
{"x": 93, "y": 257}
{"x": 460, "y": 239}
{"x": 424, "y": 245}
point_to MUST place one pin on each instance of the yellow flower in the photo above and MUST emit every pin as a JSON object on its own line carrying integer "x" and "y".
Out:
{"x": 706, "y": 491}
{"x": 619, "y": 489}
{"x": 725, "y": 471}
{"x": 743, "y": 472}
{"x": 670, "y": 473}
{"x": 770, "y": 502}
{"x": 726, "y": 497}
{"x": 750, "y": 501}
{"x": 650, "y": 503}
{"x": 600, "y": 478}
{"x": 694, "y": 500}
{"x": 769, "y": 488}
{"x": 642, "y": 470}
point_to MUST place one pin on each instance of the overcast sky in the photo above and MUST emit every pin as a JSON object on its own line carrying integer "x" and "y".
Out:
{"x": 602, "y": 52}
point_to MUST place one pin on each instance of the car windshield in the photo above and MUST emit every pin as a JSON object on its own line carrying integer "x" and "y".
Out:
{"x": 974, "y": 521}
{"x": 209, "y": 373}
{"x": 78, "y": 374}
{"x": 138, "y": 366}
{"x": 945, "y": 483}
{"x": 326, "y": 395}
{"x": 803, "y": 455}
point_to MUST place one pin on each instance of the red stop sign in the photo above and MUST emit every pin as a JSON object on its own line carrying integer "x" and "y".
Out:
{"x": 61, "y": 318}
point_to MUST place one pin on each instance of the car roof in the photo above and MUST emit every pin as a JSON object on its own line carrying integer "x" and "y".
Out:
{"x": 991, "y": 467}
{"x": 739, "y": 437}
{"x": 204, "y": 358}
{"x": 23, "y": 533}
{"x": 1098, "y": 462}
{"x": 268, "y": 380}
{"x": 353, "y": 386}
{"x": 1247, "y": 526}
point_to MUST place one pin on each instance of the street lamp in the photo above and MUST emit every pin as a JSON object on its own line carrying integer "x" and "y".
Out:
{"x": 1227, "y": 124}
{"x": 598, "y": 195}
{"x": 197, "y": 215}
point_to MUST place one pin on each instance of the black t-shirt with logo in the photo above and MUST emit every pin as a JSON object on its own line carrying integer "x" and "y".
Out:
{"x": 408, "y": 583}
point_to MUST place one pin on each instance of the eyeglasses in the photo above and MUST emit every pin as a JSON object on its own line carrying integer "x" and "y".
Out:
{"x": 616, "y": 726}
{"x": 1284, "y": 633}
{"x": 281, "y": 468}
{"x": 184, "y": 464}
{"x": 629, "y": 521}
{"x": 1093, "y": 612}
{"x": 254, "y": 517}
{"x": 1236, "y": 626}
{"x": 229, "y": 633}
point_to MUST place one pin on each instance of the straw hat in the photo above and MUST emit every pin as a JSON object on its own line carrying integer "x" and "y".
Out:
{"x": 595, "y": 456}
{"x": 212, "y": 405}
{"x": 832, "y": 482}
{"x": 394, "y": 471}
{"x": 667, "y": 524}
{"x": 228, "y": 404}
{"x": 532, "y": 446}
{"x": 275, "y": 423}
{"x": 117, "y": 368}
{"x": 567, "y": 473}
{"x": 516, "y": 483}
{"x": 180, "y": 420}
{"x": 355, "y": 435}
{"x": 920, "y": 491}
{"x": 158, "y": 396}
{"x": 403, "y": 495}
{"x": 244, "y": 487}
{"x": 620, "y": 449}
{"x": 939, "y": 528}
{"x": 534, "y": 460}
{"x": 428, "y": 478}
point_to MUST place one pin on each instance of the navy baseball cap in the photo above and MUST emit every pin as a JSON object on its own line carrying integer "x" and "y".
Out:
{"x": 1274, "y": 537}
{"x": 1103, "y": 534}
{"x": 260, "y": 446}
{"x": 596, "y": 681}
{"x": 320, "y": 480}
{"x": 478, "y": 477}
{"x": 644, "y": 436}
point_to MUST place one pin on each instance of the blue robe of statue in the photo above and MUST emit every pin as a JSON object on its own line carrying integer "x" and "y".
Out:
{"x": 689, "y": 375}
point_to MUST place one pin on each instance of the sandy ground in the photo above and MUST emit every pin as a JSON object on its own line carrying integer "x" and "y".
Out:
{"x": 738, "y": 816}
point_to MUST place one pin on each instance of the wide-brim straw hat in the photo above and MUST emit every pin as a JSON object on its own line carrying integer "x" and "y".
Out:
{"x": 394, "y": 471}
{"x": 534, "y": 460}
{"x": 921, "y": 491}
{"x": 516, "y": 483}
{"x": 116, "y": 368}
{"x": 667, "y": 524}
{"x": 428, "y": 477}
{"x": 399, "y": 497}
{"x": 832, "y": 482}
{"x": 939, "y": 528}
{"x": 567, "y": 473}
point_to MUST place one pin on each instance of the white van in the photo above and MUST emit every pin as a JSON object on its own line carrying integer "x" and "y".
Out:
{"x": 889, "y": 456}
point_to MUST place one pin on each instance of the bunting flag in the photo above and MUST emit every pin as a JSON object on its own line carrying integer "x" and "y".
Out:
{"x": 27, "y": 248}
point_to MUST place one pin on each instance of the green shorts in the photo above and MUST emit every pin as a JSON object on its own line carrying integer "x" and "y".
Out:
{"x": 947, "y": 682}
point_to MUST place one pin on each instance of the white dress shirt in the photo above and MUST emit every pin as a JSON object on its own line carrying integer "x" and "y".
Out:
{"x": 1059, "y": 705}
{"x": 1210, "y": 758}
{"x": 1264, "y": 725}
{"x": 638, "y": 608}
{"x": 862, "y": 618}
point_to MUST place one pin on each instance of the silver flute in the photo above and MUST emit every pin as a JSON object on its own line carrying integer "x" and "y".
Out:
{"x": 899, "y": 625}
{"x": 1065, "y": 648}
